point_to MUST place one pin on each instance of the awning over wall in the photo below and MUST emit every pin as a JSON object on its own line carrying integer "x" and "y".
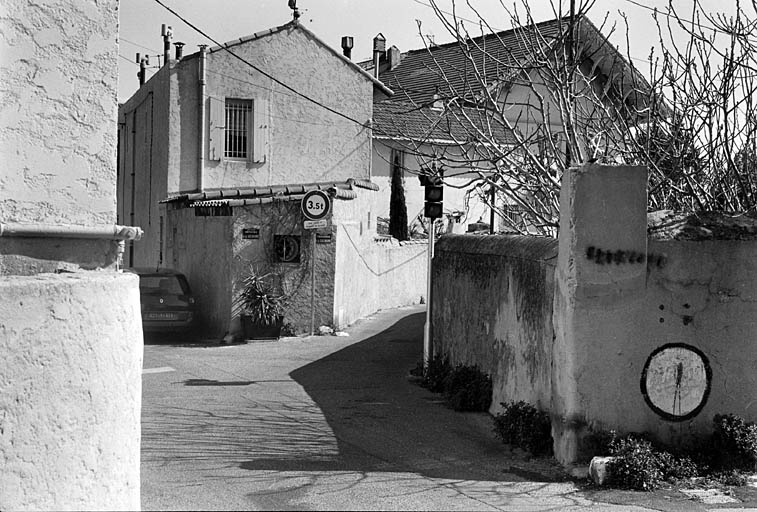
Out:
{"x": 223, "y": 200}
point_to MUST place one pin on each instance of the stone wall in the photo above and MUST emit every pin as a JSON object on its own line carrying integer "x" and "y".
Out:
{"x": 492, "y": 306}
{"x": 373, "y": 275}
{"x": 71, "y": 343}
{"x": 619, "y": 332}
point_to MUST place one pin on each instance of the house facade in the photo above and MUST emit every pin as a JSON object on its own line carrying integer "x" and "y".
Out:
{"x": 217, "y": 150}
{"x": 479, "y": 108}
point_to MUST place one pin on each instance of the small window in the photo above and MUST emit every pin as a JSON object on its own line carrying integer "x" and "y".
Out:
{"x": 238, "y": 123}
{"x": 287, "y": 248}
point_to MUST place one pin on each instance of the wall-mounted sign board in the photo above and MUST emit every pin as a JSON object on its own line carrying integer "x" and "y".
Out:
{"x": 252, "y": 233}
{"x": 323, "y": 238}
{"x": 315, "y": 224}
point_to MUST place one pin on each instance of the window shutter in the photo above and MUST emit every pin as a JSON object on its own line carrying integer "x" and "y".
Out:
{"x": 216, "y": 127}
{"x": 259, "y": 130}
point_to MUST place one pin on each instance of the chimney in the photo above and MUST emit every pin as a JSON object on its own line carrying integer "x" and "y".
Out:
{"x": 347, "y": 43}
{"x": 379, "y": 48}
{"x": 141, "y": 73}
{"x": 394, "y": 57}
{"x": 437, "y": 103}
{"x": 167, "y": 34}
{"x": 179, "y": 50}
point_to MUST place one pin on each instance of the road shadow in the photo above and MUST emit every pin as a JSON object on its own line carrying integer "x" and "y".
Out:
{"x": 380, "y": 421}
{"x": 181, "y": 339}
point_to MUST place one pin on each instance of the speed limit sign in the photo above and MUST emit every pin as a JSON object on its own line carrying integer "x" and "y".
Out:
{"x": 316, "y": 205}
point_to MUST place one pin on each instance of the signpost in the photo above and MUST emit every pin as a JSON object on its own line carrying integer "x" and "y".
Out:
{"x": 316, "y": 207}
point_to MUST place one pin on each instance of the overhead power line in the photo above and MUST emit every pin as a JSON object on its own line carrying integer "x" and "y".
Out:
{"x": 262, "y": 72}
{"x": 138, "y": 45}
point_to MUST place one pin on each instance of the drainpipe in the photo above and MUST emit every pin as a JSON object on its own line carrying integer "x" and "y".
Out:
{"x": 201, "y": 128}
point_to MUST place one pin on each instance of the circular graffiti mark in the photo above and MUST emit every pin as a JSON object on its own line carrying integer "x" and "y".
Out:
{"x": 676, "y": 381}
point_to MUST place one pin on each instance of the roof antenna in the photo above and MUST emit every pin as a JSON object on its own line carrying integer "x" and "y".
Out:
{"x": 295, "y": 10}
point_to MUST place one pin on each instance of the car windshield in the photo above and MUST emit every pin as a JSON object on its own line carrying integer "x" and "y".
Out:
{"x": 167, "y": 285}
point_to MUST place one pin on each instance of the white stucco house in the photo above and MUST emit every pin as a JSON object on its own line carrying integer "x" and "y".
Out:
{"x": 443, "y": 110}
{"x": 218, "y": 148}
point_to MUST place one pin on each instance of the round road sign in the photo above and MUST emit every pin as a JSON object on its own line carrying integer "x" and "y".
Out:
{"x": 316, "y": 205}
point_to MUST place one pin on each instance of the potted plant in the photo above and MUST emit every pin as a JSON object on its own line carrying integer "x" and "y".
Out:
{"x": 261, "y": 309}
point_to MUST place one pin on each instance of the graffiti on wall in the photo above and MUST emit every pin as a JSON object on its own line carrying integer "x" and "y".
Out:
{"x": 619, "y": 257}
{"x": 676, "y": 381}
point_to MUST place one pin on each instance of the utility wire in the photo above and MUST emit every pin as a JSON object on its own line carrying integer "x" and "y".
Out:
{"x": 267, "y": 75}
{"x": 138, "y": 45}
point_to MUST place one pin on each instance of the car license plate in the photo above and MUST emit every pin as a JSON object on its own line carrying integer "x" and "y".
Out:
{"x": 162, "y": 316}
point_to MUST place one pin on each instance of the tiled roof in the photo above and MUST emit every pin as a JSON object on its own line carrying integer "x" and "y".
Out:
{"x": 448, "y": 70}
{"x": 404, "y": 120}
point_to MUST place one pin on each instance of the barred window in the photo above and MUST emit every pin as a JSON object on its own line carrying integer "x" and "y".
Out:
{"x": 238, "y": 122}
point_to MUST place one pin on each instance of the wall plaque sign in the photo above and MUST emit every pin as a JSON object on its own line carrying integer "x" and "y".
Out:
{"x": 251, "y": 233}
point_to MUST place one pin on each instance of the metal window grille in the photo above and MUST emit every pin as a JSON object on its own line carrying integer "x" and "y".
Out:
{"x": 238, "y": 113}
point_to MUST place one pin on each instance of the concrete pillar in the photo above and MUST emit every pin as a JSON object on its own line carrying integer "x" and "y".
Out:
{"x": 71, "y": 346}
{"x": 599, "y": 280}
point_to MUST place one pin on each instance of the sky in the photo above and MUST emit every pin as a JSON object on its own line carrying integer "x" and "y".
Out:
{"x": 397, "y": 20}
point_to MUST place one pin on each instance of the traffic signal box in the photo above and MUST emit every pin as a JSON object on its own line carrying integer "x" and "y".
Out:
{"x": 434, "y": 196}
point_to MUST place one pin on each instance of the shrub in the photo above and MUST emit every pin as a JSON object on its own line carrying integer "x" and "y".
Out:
{"x": 733, "y": 477}
{"x": 636, "y": 465}
{"x": 466, "y": 388}
{"x": 734, "y": 443}
{"x": 639, "y": 465}
{"x": 288, "y": 329}
{"x": 677, "y": 467}
{"x": 437, "y": 371}
{"x": 522, "y": 425}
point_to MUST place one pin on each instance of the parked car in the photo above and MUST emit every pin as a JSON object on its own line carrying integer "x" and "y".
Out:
{"x": 167, "y": 302}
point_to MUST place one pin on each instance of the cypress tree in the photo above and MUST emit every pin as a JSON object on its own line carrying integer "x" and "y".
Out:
{"x": 397, "y": 207}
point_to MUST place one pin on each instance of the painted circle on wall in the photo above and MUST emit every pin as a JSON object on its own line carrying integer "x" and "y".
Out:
{"x": 676, "y": 381}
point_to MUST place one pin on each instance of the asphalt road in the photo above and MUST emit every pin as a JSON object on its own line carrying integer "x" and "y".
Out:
{"x": 332, "y": 423}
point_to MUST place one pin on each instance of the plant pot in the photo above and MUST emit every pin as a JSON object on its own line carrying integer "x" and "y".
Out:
{"x": 257, "y": 331}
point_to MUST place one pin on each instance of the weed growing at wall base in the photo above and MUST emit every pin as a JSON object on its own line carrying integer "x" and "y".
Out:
{"x": 465, "y": 388}
{"x": 522, "y": 425}
{"x": 432, "y": 378}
